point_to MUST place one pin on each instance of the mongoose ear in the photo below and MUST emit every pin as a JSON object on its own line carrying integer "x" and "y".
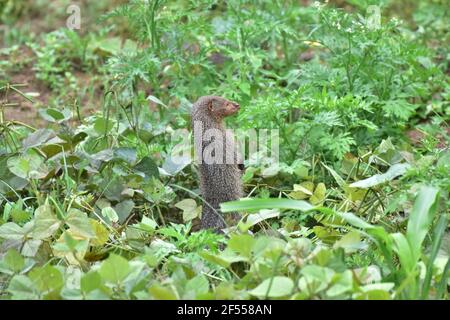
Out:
{"x": 210, "y": 106}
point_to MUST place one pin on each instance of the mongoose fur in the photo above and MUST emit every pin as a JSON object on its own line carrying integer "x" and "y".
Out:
{"x": 220, "y": 181}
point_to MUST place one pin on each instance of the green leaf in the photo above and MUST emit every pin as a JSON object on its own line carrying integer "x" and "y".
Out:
{"x": 223, "y": 259}
{"x": 79, "y": 223}
{"x": 302, "y": 191}
{"x": 162, "y": 293}
{"x": 336, "y": 176}
{"x": 396, "y": 170}
{"x": 258, "y": 204}
{"x": 262, "y": 215}
{"x": 45, "y": 222}
{"x": 403, "y": 249}
{"x": 55, "y": 115}
{"x": 47, "y": 278}
{"x": 126, "y": 154}
{"x": 319, "y": 194}
{"x": 28, "y": 166}
{"x": 190, "y": 209}
{"x": 22, "y": 288}
{"x": 275, "y": 287}
{"x": 242, "y": 244}
{"x": 342, "y": 283}
{"x": 108, "y": 46}
{"x": 175, "y": 164}
{"x": 102, "y": 125}
{"x": 38, "y": 138}
{"x": 148, "y": 167}
{"x": 90, "y": 281}
{"x": 101, "y": 233}
{"x": 114, "y": 269}
{"x": 14, "y": 261}
{"x": 438, "y": 234}
{"x": 315, "y": 278}
{"x": 156, "y": 100}
{"x": 147, "y": 224}
{"x": 123, "y": 210}
{"x": 351, "y": 242}
{"x": 110, "y": 213}
{"x": 11, "y": 231}
{"x": 199, "y": 285}
{"x": 421, "y": 217}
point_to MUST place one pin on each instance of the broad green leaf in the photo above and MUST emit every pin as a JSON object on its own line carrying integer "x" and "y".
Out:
{"x": 190, "y": 209}
{"x": 14, "y": 261}
{"x": 9, "y": 182}
{"x": 350, "y": 242}
{"x": 186, "y": 205}
{"x": 38, "y": 138}
{"x": 258, "y": 204}
{"x": 319, "y": 194}
{"x": 55, "y": 115}
{"x": 199, "y": 285}
{"x": 302, "y": 191}
{"x": 402, "y": 248}
{"x": 354, "y": 194}
{"x": 110, "y": 213}
{"x": 45, "y": 222}
{"x": 101, "y": 233}
{"x": 114, "y": 269}
{"x": 31, "y": 247}
{"x": 28, "y": 166}
{"x": 148, "y": 167}
{"x": 223, "y": 259}
{"x": 90, "y": 281}
{"x": 396, "y": 170}
{"x": 175, "y": 164}
{"x": 438, "y": 236}
{"x": 275, "y": 287}
{"x": 11, "y": 231}
{"x": 162, "y": 293}
{"x": 342, "y": 283}
{"x": 315, "y": 278}
{"x": 242, "y": 244}
{"x": 22, "y": 288}
{"x": 107, "y": 46}
{"x": 47, "y": 278}
{"x": 124, "y": 209}
{"x": 421, "y": 217}
{"x": 147, "y": 224}
{"x": 127, "y": 154}
{"x": 102, "y": 125}
{"x": 79, "y": 223}
{"x": 270, "y": 171}
{"x": 262, "y": 215}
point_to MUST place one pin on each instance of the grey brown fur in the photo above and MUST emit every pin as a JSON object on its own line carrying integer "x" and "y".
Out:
{"x": 218, "y": 182}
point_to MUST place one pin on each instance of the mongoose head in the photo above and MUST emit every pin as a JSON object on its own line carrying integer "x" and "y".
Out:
{"x": 218, "y": 107}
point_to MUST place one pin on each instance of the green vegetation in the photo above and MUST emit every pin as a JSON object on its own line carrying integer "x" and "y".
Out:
{"x": 92, "y": 205}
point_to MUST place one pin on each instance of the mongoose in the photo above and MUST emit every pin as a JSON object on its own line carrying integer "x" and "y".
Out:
{"x": 220, "y": 178}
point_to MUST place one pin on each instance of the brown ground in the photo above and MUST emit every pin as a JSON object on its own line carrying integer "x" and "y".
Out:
{"x": 24, "y": 110}
{"x": 417, "y": 137}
